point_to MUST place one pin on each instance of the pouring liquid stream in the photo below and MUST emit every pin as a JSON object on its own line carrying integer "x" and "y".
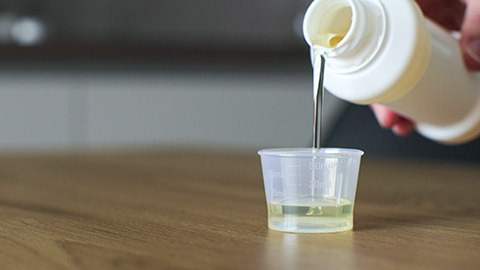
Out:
{"x": 321, "y": 44}
{"x": 318, "y": 94}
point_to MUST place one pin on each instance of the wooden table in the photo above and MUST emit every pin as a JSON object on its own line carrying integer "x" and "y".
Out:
{"x": 179, "y": 210}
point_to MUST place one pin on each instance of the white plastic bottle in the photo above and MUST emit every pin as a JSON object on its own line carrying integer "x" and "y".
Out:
{"x": 394, "y": 56}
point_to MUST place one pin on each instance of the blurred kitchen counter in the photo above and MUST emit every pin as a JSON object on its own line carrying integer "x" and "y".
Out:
{"x": 206, "y": 210}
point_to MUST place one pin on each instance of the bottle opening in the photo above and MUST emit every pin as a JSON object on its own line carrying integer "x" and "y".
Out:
{"x": 327, "y": 22}
{"x": 349, "y": 32}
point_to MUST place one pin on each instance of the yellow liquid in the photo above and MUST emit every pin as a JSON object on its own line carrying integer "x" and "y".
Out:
{"x": 328, "y": 40}
{"x": 311, "y": 215}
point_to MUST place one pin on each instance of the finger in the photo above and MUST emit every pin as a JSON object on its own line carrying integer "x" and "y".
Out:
{"x": 386, "y": 117}
{"x": 448, "y": 13}
{"x": 403, "y": 126}
{"x": 470, "y": 40}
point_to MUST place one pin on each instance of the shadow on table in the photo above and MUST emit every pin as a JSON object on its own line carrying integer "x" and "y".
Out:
{"x": 380, "y": 223}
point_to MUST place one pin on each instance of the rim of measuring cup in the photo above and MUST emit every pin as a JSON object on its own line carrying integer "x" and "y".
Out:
{"x": 311, "y": 152}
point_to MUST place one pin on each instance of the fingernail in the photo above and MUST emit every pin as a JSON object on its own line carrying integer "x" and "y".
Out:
{"x": 379, "y": 114}
{"x": 473, "y": 54}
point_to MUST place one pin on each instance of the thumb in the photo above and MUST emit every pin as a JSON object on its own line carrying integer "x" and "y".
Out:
{"x": 470, "y": 40}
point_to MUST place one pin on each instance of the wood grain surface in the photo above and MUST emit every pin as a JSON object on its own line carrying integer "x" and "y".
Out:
{"x": 179, "y": 210}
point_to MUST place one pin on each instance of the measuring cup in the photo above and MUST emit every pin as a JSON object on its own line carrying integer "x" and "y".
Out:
{"x": 310, "y": 190}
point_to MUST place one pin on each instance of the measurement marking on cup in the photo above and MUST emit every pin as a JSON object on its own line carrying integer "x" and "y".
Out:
{"x": 274, "y": 174}
{"x": 294, "y": 174}
{"x": 277, "y": 193}
{"x": 320, "y": 166}
{"x": 316, "y": 184}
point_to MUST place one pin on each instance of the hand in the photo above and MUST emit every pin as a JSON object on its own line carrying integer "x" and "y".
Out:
{"x": 453, "y": 15}
{"x": 470, "y": 40}
{"x": 390, "y": 119}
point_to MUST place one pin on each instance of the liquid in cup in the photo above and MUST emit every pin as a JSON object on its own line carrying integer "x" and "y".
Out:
{"x": 310, "y": 190}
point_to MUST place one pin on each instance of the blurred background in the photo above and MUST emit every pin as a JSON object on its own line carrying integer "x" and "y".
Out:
{"x": 102, "y": 74}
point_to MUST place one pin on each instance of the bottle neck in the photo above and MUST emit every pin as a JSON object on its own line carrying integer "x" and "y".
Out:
{"x": 349, "y": 32}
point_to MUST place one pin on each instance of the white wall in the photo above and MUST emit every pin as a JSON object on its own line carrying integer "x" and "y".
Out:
{"x": 34, "y": 111}
{"x": 124, "y": 108}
